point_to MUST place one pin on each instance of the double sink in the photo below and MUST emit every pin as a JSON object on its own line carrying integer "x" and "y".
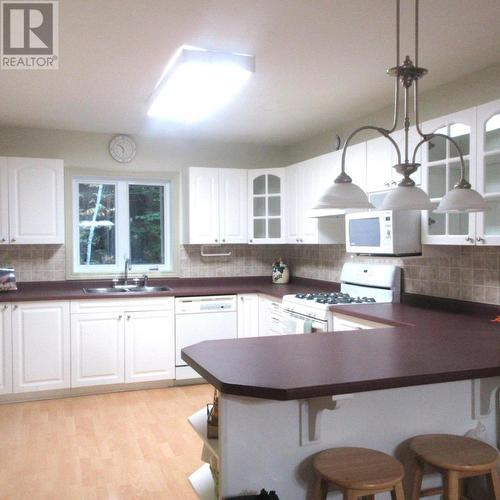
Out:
{"x": 131, "y": 289}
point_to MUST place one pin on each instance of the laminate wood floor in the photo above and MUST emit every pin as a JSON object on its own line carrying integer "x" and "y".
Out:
{"x": 128, "y": 445}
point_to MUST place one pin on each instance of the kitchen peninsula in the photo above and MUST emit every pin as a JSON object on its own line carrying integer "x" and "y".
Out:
{"x": 285, "y": 398}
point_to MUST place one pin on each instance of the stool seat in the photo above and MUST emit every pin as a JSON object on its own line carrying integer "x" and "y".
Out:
{"x": 459, "y": 453}
{"x": 456, "y": 458}
{"x": 358, "y": 468}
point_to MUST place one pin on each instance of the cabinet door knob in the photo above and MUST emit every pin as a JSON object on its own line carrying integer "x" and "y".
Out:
{"x": 250, "y": 241}
{"x": 224, "y": 240}
{"x": 4, "y": 308}
{"x": 216, "y": 240}
{"x": 480, "y": 239}
{"x": 15, "y": 306}
{"x": 386, "y": 184}
{"x": 394, "y": 183}
{"x": 3, "y": 240}
{"x": 128, "y": 317}
{"x": 469, "y": 239}
{"x": 13, "y": 239}
{"x": 120, "y": 316}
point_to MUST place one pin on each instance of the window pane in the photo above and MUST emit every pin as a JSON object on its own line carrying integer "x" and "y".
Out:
{"x": 259, "y": 185}
{"x": 146, "y": 224}
{"x": 96, "y": 212}
{"x": 437, "y": 147}
{"x": 492, "y": 218}
{"x": 274, "y": 186}
{"x": 492, "y": 134}
{"x": 454, "y": 176}
{"x": 458, "y": 223}
{"x": 259, "y": 206}
{"x": 437, "y": 181}
{"x": 492, "y": 174}
{"x": 461, "y": 133}
{"x": 437, "y": 223}
{"x": 274, "y": 205}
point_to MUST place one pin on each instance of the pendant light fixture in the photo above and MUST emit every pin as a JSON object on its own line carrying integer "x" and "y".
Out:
{"x": 343, "y": 194}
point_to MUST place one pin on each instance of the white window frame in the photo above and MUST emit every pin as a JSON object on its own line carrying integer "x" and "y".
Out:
{"x": 122, "y": 235}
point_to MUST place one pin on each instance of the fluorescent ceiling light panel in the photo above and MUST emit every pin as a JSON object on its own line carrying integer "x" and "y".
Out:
{"x": 198, "y": 82}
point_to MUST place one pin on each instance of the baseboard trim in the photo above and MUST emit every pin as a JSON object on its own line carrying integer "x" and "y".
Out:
{"x": 85, "y": 391}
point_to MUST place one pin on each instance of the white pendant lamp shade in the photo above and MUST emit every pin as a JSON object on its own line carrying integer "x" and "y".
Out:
{"x": 407, "y": 198}
{"x": 462, "y": 200}
{"x": 343, "y": 195}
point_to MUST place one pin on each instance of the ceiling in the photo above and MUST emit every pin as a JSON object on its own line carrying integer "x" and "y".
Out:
{"x": 319, "y": 63}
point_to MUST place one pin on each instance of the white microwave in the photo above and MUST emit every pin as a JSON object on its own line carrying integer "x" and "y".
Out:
{"x": 383, "y": 232}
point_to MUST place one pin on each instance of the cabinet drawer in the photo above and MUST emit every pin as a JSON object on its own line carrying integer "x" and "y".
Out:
{"x": 125, "y": 304}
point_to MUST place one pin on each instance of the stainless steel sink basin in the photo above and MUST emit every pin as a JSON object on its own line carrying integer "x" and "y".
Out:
{"x": 146, "y": 289}
{"x": 134, "y": 289}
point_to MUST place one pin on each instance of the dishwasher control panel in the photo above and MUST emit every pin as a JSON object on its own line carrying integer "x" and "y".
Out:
{"x": 193, "y": 305}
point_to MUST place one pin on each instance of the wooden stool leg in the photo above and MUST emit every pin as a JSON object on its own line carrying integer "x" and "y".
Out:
{"x": 398, "y": 492}
{"x": 350, "y": 495}
{"x": 321, "y": 490}
{"x": 416, "y": 486}
{"x": 451, "y": 486}
{"x": 494, "y": 483}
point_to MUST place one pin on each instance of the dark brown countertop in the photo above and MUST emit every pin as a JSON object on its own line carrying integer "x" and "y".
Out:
{"x": 428, "y": 346}
{"x": 180, "y": 287}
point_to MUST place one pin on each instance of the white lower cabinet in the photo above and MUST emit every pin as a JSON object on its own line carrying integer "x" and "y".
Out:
{"x": 248, "y": 315}
{"x": 149, "y": 346}
{"x": 97, "y": 349}
{"x": 123, "y": 340}
{"x": 270, "y": 322}
{"x": 5, "y": 349}
{"x": 41, "y": 346}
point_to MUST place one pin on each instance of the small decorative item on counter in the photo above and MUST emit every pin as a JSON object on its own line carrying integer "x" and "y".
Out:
{"x": 7, "y": 279}
{"x": 213, "y": 418}
{"x": 281, "y": 273}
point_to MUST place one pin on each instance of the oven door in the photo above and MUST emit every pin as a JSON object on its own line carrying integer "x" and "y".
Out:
{"x": 293, "y": 322}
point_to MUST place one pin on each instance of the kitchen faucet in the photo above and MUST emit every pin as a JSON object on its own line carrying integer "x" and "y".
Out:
{"x": 127, "y": 267}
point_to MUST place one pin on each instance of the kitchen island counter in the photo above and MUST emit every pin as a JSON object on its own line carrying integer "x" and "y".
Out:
{"x": 422, "y": 346}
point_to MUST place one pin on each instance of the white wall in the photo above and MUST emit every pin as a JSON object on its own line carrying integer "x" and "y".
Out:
{"x": 82, "y": 149}
{"x": 471, "y": 90}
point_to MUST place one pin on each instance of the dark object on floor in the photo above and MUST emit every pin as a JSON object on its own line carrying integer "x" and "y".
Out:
{"x": 264, "y": 495}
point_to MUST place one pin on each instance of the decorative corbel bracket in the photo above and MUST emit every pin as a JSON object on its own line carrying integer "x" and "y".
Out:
{"x": 483, "y": 393}
{"x": 311, "y": 411}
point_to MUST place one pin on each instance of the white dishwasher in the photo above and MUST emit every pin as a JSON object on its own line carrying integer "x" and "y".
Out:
{"x": 202, "y": 318}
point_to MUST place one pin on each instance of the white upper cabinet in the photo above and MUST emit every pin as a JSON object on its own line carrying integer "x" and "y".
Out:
{"x": 4, "y": 201}
{"x": 488, "y": 172}
{"x": 355, "y": 164}
{"x": 233, "y": 205}
{"x": 35, "y": 201}
{"x": 217, "y": 206}
{"x": 302, "y": 180}
{"x": 441, "y": 171}
{"x": 203, "y": 205}
{"x": 41, "y": 346}
{"x": 5, "y": 349}
{"x": 379, "y": 162}
{"x": 266, "y": 205}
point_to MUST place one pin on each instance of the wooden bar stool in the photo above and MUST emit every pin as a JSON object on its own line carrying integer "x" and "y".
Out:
{"x": 358, "y": 472}
{"x": 455, "y": 458}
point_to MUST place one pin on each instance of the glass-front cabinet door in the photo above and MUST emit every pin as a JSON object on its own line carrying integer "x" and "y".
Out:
{"x": 266, "y": 205}
{"x": 488, "y": 172}
{"x": 441, "y": 171}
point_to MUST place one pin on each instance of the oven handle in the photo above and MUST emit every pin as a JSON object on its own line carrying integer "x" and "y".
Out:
{"x": 287, "y": 313}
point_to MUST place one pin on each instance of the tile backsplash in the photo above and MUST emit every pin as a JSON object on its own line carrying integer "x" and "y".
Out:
{"x": 467, "y": 273}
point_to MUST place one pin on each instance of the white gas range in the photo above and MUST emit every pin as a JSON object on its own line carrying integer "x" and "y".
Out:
{"x": 360, "y": 284}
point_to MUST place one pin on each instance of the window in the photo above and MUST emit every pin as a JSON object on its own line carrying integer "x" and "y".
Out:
{"x": 117, "y": 219}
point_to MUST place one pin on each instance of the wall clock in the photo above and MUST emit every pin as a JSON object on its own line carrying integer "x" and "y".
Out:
{"x": 122, "y": 148}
